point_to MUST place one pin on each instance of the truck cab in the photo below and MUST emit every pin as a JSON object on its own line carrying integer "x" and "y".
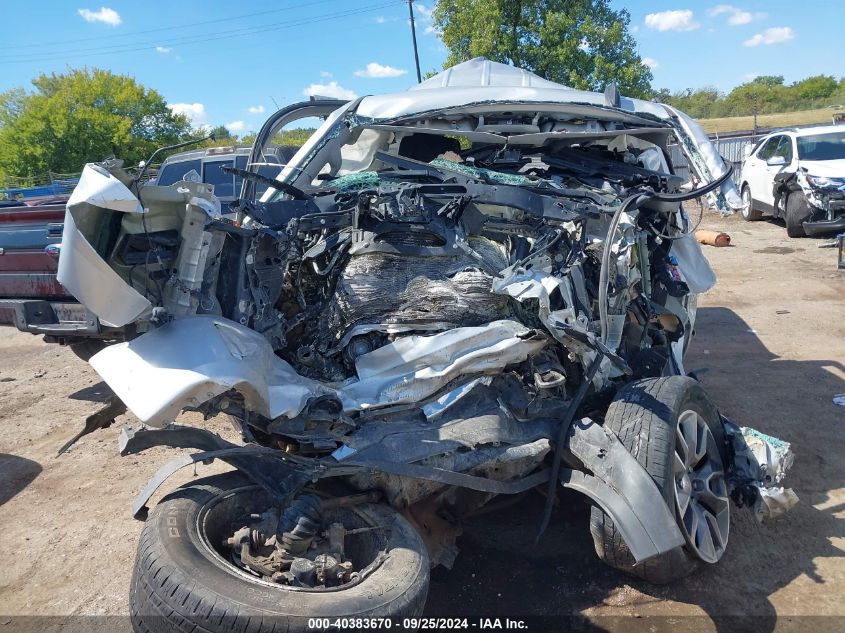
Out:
{"x": 208, "y": 165}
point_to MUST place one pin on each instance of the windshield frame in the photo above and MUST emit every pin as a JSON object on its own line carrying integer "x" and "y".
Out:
{"x": 838, "y": 135}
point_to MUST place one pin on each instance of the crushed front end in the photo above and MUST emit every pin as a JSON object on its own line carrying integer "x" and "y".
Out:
{"x": 432, "y": 309}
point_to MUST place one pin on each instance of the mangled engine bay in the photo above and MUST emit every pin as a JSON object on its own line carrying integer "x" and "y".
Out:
{"x": 431, "y": 325}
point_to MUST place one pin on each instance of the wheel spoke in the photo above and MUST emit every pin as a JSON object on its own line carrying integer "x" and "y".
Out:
{"x": 681, "y": 446}
{"x": 704, "y": 534}
{"x": 709, "y": 487}
{"x": 690, "y": 426}
{"x": 682, "y": 485}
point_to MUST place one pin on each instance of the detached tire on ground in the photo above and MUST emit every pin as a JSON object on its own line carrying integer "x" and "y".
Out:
{"x": 180, "y": 583}
{"x": 797, "y": 212}
{"x": 674, "y": 431}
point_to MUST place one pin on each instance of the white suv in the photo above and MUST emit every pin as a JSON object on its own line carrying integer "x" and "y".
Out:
{"x": 798, "y": 175}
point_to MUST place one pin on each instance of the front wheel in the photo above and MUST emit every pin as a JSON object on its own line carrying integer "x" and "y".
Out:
{"x": 201, "y": 558}
{"x": 673, "y": 429}
{"x": 797, "y": 212}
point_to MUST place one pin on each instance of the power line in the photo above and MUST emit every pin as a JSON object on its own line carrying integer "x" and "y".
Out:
{"x": 42, "y": 45}
{"x": 194, "y": 39}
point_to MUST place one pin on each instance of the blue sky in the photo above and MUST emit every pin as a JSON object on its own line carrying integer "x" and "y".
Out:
{"x": 231, "y": 63}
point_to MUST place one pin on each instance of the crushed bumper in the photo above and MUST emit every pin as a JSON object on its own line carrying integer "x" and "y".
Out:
{"x": 60, "y": 319}
{"x": 821, "y": 227}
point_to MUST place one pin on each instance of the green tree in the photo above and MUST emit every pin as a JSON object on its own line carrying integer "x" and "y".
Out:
{"x": 581, "y": 43}
{"x": 770, "y": 81}
{"x": 816, "y": 87}
{"x": 11, "y": 104}
{"x": 766, "y": 97}
{"x": 83, "y": 116}
{"x": 222, "y": 133}
{"x": 697, "y": 103}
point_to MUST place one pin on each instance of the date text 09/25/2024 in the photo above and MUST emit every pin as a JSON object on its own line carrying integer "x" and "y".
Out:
{"x": 415, "y": 624}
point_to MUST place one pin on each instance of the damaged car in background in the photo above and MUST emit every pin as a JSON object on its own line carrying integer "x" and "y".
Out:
{"x": 797, "y": 175}
{"x": 477, "y": 287}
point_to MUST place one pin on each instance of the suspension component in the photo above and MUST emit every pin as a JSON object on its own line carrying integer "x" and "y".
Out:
{"x": 298, "y": 526}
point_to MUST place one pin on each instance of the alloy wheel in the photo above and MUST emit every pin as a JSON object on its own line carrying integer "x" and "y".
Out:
{"x": 701, "y": 496}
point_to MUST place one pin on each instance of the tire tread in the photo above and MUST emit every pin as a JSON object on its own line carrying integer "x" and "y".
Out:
{"x": 648, "y": 433}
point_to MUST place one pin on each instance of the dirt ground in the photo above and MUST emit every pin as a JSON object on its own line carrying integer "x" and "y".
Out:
{"x": 770, "y": 348}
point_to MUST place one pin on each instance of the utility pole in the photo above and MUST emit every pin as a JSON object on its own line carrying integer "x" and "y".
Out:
{"x": 414, "y": 38}
{"x": 754, "y": 112}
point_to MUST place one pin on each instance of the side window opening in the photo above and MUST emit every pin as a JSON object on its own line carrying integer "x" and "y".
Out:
{"x": 784, "y": 149}
{"x": 768, "y": 150}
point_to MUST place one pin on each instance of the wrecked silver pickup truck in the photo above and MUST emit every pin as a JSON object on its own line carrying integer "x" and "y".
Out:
{"x": 474, "y": 288}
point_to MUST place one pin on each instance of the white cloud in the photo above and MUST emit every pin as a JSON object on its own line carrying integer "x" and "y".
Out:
{"x": 635, "y": 29}
{"x": 331, "y": 89}
{"x": 672, "y": 21}
{"x": 194, "y": 111}
{"x": 259, "y": 109}
{"x": 377, "y": 71}
{"x": 164, "y": 50}
{"x": 325, "y": 74}
{"x": 381, "y": 19}
{"x": 104, "y": 15}
{"x": 651, "y": 63}
{"x": 736, "y": 17}
{"x": 739, "y": 18}
{"x": 425, "y": 19}
{"x": 236, "y": 126}
{"x": 423, "y": 9}
{"x": 750, "y": 76}
{"x": 775, "y": 35}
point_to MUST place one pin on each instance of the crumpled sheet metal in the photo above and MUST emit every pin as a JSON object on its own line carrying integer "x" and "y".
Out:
{"x": 763, "y": 460}
{"x": 698, "y": 274}
{"x": 194, "y": 359}
{"x": 81, "y": 269}
{"x": 538, "y": 283}
{"x": 414, "y": 367}
{"x": 705, "y": 161}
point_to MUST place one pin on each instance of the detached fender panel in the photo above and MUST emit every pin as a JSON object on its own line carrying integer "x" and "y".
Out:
{"x": 81, "y": 269}
{"x": 623, "y": 489}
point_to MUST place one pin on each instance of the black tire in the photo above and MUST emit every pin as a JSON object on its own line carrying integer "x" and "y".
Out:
{"x": 797, "y": 212}
{"x": 87, "y": 348}
{"x": 644, "y": 417}
{"x": 180, "y": 585}
{"x": 748, "y": 212}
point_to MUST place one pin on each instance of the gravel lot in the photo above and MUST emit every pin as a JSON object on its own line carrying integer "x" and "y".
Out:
{"x": 771, "y": 336}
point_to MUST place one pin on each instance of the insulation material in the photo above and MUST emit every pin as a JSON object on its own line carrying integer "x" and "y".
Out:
{"x": 388, "y": 288}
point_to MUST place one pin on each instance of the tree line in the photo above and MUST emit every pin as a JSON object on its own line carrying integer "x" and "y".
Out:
{"x": 767, "y": 94}
{"x": 84, "y": 115}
